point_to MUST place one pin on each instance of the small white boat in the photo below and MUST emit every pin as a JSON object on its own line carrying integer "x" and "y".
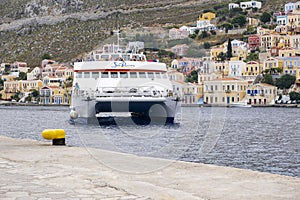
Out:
{"x": 240, "y": 105}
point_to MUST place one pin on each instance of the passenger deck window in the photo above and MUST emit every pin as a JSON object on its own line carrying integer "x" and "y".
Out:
{"x": 86, "y": 75}
{"x": 142, "y": 74}
{"x": 95, "y": 74}
{"x": 133, "y": 75}
{"x": 104, "y": 75}
{"x": 157, "y": 75}
{"x": 113, "y": 74}
{"x": 150, "y": 75}
{"x": 79, "y": 75}
{"x": 123, "y": 75}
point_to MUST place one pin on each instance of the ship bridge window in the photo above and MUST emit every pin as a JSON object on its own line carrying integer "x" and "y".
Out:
{"x": 104, "y": 75}
{"x": 115, "y": 56}
{"x": 157, "y": 75}
{"x": 86, "y": 74}
{"x": 113, "y": 74}
{"x": 126, "y": 57}
{"x": 142, "y": 74}
{"x": 123, "y": 75}
{"x": 104, "y": 57}
{"x": 150, "y": 75}
{"x": 95, "y": 74}
{"x": 133, "y": 75}
{"x": 79, "y": 75}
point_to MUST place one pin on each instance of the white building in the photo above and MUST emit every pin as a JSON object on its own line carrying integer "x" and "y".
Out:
{"x": 233, "y": 5}
{"x": 290, "y": 7}
{"x": 135, "y": 46}
{"x": 236, "y": 68}
{"x": 205, "y": 25}
{"x": 34, "y": 73}
{"x": 238, "y": 43}
{"x": 250, "y": 4}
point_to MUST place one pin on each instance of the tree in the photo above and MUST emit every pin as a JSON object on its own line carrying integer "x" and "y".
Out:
{"x": 268, "y": 79}
{"x": 253, "y": 56}
{"x": 265, "y": 17}
{"x": 193, "y": 77}
{"x": 294, "y": 96}
{"x": 229, "y": 49}
{"x": 285, "y": 81}
{"x": 46, "y": 56}
{"x": 239, "y": 20}
{"x": 221, "y": 56}
{"x": 227, "y": 26}
{"x": 35, "y": 93}
{"x": 22, "y": 76}
{"x": 206, "y": 45}
{"x": 203, "y": 34}
{"x": 192, "y": 36}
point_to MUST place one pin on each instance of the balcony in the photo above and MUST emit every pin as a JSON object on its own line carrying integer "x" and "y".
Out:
{"x": 227, "y": 91}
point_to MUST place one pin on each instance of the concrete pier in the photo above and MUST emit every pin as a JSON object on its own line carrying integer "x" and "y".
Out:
{"x": 37, "y": 170}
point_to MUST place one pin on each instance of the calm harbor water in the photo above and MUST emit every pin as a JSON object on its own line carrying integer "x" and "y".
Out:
{"x": 261, "y": 139}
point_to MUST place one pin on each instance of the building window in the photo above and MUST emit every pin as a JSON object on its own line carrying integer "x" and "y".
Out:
{"x": 232, "y": 99}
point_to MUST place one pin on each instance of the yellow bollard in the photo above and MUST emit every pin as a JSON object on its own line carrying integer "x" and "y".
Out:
{"x": 56, "y": 135}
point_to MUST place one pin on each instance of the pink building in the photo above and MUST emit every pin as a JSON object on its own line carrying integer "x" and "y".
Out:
{"x": 180, "y": 49}
{"x": 253, "y": 42}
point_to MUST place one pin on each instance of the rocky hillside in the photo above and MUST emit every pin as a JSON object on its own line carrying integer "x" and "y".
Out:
{"x": 68, "y": 28}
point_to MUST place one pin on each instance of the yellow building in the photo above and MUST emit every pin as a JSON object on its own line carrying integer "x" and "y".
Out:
{"x": 215, "y": 51}
{"x": 224, "y": 91}
{"x": 174, "y": 75}
{"x": 239, "y": 52}
{"x": 293, "y": 21}
{"x": 268, "y": 41}
{"x": 252, "y": 68}
{"x": 28, "y": 86}
{"x": 189, "y": 93}
{"x": 222, "y": 68}
{"x": 270, "y": 63}
{"x": 261, "y": 93}
{"x": 298, "y": 75}
{"x": 54, "y": 95}
{"x": 9, "y": 89}
{"x": 8, "y": 78}
{"x": 207, "y": 16}
{"x": 286, "y": 52}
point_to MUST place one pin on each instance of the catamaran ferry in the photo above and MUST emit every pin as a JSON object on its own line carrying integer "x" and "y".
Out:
{"x": 113, "y": 83}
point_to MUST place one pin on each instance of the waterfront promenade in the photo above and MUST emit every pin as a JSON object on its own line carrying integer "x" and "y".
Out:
{"x": 37, "y": 170}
